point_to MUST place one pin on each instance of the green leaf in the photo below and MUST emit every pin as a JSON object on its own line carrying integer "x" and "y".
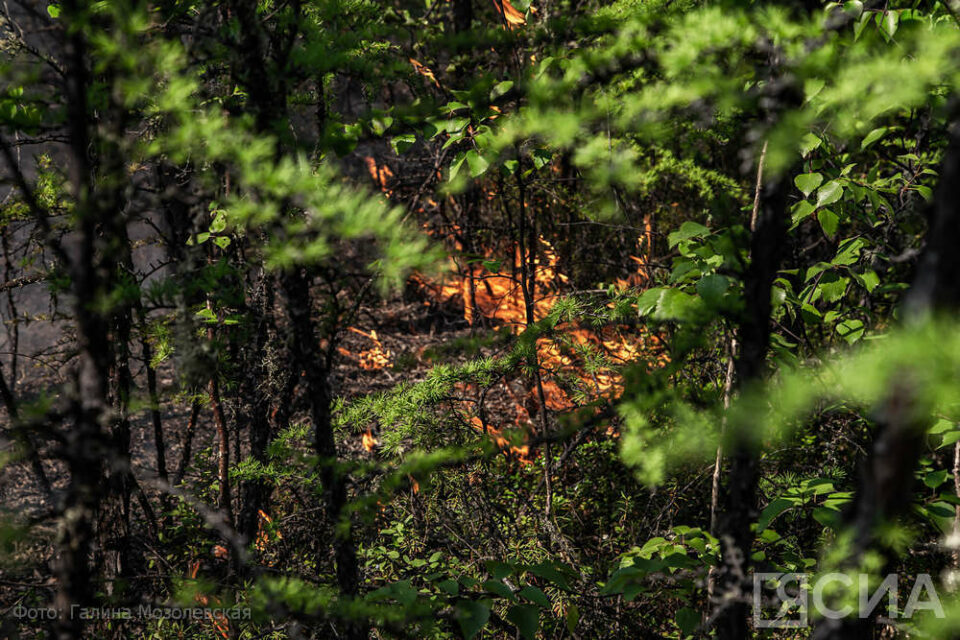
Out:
{"x": 853, "y": 7}
{"x": 403, "y": 592}
{"x": 868, "y": 280}
{"x": 219, "y": 223}
{"x": 801, "y": 210}
{"x": 850, "y": 330}
{"x": 771, "y": 511}
{"x": 573, "y": 617}
{"x": 478, "y": 164}
{"x": 53, "y": 10}
{"x": 686, "y": 231}
{"x": 873, "y": 136}
{"x": 499, "y": 570}
{"x": 533, "y": 594}
{"x": 832, "y": 287}
{"x": 829, "y": 193}
{"x": 826, "y": 517}
{"x": 941, "y": 510}
{"x": 549, "y": 571}
{"x": 889, "y": 22}
{"x": 807, "y": 182}
{"x": 809, "y": 143}
{"x": 450, "y": 587}
{"x": 493, "y": 266}
{"x": 500, "y": 589}
{"x": 941, "y": 426}
{"x": 811, "y": 315}
{"x": 457, "y": 163}
{"x": 688, "y": 620}
{"x": 402, "y": 142}
{"x": 935, "y": 478}
{"x": 711, "y": 288}
{"x": 829, "y": 221}
{"x": 949, "y": 438}
{"x": 472, "y": 615}
{"x": 500, "y": 89}
{"x": 679, "y": 306}
{"x": 848, "y": 252}
{"x": 527, "y": 619}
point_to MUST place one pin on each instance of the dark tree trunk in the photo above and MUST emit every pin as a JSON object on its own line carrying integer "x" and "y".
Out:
{"x": 462, "y": 15}
{"x": 23, "y": 439}
{"x": 90, "y": 278}
{"x": 738, "y": 498}
{"x": 254, "y": 406}
{"x": 311, "y": 362}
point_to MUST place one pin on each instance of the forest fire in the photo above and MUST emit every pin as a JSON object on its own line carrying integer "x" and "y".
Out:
{"x": 577, "y": 364}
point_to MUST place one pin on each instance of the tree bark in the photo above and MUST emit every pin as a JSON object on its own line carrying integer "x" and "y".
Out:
{"x": 313, "y": 366}
{"x": 739, "y": 498}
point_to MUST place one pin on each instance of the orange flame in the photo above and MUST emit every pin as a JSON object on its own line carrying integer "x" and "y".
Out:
{"x": 264, "y": 532}
{"x": 487, "y": 291}
{"x": 218, "y": 619}
{"x": 522, "y": 452}
{"x": 499, "y": 296}
{"x": 425, "y": 71}
{"x": 375, "y": 357}
{"x": 381, "y": 174}
{"x": 512, "y": 16}
{"x": 369, "y": 441}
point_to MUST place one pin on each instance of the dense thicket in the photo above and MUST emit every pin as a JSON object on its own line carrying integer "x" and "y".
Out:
{"x": 550, "y": 319}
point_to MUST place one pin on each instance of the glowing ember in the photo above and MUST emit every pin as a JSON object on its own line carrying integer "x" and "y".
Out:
{"x": 642, "y": 274}
{"x": 265, "y": 531}
{"x": 512, "y": 16}
{"x": 424, "y": 70}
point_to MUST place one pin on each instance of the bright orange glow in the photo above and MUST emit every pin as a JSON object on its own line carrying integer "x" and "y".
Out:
{"x": 508, "y": 12}
{"x": 499, "y": 296}
{"x": 369, "y": 441}
{"x": 219, "y": 620}
{"x": 522, "y": 453}
{"x": 425, "y": 71}
{"x": 578, "y": 365}
{"x": 381, "y": 174}
{"x": 376, "y": 357}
